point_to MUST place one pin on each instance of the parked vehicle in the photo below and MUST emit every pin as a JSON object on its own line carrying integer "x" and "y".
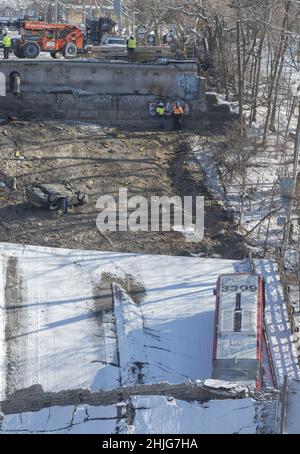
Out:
{"x": 114, "y": 41}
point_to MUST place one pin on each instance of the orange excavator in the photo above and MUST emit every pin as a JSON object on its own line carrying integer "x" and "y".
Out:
{"x": 57, "y": 39}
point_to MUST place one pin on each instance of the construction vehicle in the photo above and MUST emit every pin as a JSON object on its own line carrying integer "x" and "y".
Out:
{"x": 57, "y": 39}
{"x": 97, "y": 28}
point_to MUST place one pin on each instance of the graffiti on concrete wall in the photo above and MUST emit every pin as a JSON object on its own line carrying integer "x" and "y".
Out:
{"x": 190, "y": 84}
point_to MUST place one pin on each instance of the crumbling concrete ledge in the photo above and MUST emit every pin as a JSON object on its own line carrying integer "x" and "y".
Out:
{"x": 107, "y": 110}
{"x": 35, "y": 398}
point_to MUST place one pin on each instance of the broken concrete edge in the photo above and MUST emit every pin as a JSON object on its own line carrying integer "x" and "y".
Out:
{"x": 34, "y": 398}
{"x": 215, "y": 103}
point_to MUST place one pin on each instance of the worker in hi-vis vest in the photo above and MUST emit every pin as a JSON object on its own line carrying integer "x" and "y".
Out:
{"x": 6, "y": 45}
{"x": 178, "y": 116}
{"x": 131, "y": 46}
{"x": 161, "y": 112}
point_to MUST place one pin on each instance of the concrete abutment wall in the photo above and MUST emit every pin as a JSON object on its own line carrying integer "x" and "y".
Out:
{"x": 109, "y": 93}
{"x": 172, "y": 80}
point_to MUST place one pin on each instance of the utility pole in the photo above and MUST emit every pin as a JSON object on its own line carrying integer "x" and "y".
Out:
{"x": 117, "y": 4}
{"x": 46, "y": 13}
{"x": 133, "y": 21}
{"x": 283, "y": 399}
{"x": 120, "y": 19}
{"x": 240, "y": 73}
{"x": 56, "y": 12}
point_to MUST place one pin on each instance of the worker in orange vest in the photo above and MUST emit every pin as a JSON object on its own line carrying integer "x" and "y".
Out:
{"x": 178, "y": 116}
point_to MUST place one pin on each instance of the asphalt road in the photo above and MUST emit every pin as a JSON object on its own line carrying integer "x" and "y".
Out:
{"x": 43, "y": 56}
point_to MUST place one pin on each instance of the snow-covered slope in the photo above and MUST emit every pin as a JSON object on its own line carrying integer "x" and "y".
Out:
{"x": 292, "y": 423}
{"x": 62, "y": 331}
{"x": 56, "y": 334}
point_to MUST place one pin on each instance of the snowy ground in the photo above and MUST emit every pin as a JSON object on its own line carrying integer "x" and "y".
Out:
{"x": 63, "y": 331}
{"x": 63, "y": 420}
{"x": 166, "y": 415}
{"x": 266, "y": 181}
{"x": 278, "y": 331}
{"x": 282, "y": 346}
{"x": 292, "y": 423}
{"x": 259, "y": 203}
{"x": 153, "y": 415}
{"x": 251, "y": 199}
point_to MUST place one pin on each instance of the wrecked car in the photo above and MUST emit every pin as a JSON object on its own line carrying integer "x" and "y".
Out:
{"x": 55, "y": 196}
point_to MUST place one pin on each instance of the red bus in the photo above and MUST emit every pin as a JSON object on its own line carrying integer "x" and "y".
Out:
{"x": 237, "y": 352}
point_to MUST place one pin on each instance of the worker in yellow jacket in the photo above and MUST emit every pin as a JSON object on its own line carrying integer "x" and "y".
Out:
{"x": 6, "y": 46}
{"x": 161, "y": 112}
{"x": 131, "y": 46}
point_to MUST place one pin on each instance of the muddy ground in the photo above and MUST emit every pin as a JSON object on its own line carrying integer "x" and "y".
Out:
{"x": 100, "y": 161}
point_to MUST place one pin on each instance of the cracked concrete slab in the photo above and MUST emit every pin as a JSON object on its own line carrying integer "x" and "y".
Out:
{"x": 66, "y": 338}
{"x": 148, "y": 414}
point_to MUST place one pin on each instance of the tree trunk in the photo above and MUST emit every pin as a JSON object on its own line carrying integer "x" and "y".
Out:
{"x": 277, "y": 63}
{"x": 240, "y": 75}
{"x": 223, "y": 60}
{"x": 274, "y": 107}
{"x": 257, "y": 78}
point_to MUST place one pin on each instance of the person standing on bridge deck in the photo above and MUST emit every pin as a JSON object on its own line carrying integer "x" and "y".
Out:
{"x": 6, "y": 45}
{"x": 178, "y": 116}
{"x": 131, "y": 46}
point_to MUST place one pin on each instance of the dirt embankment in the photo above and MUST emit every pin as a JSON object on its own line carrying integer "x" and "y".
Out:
{"x": 100, "y": 161}
{"x": 188, "y": 179}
